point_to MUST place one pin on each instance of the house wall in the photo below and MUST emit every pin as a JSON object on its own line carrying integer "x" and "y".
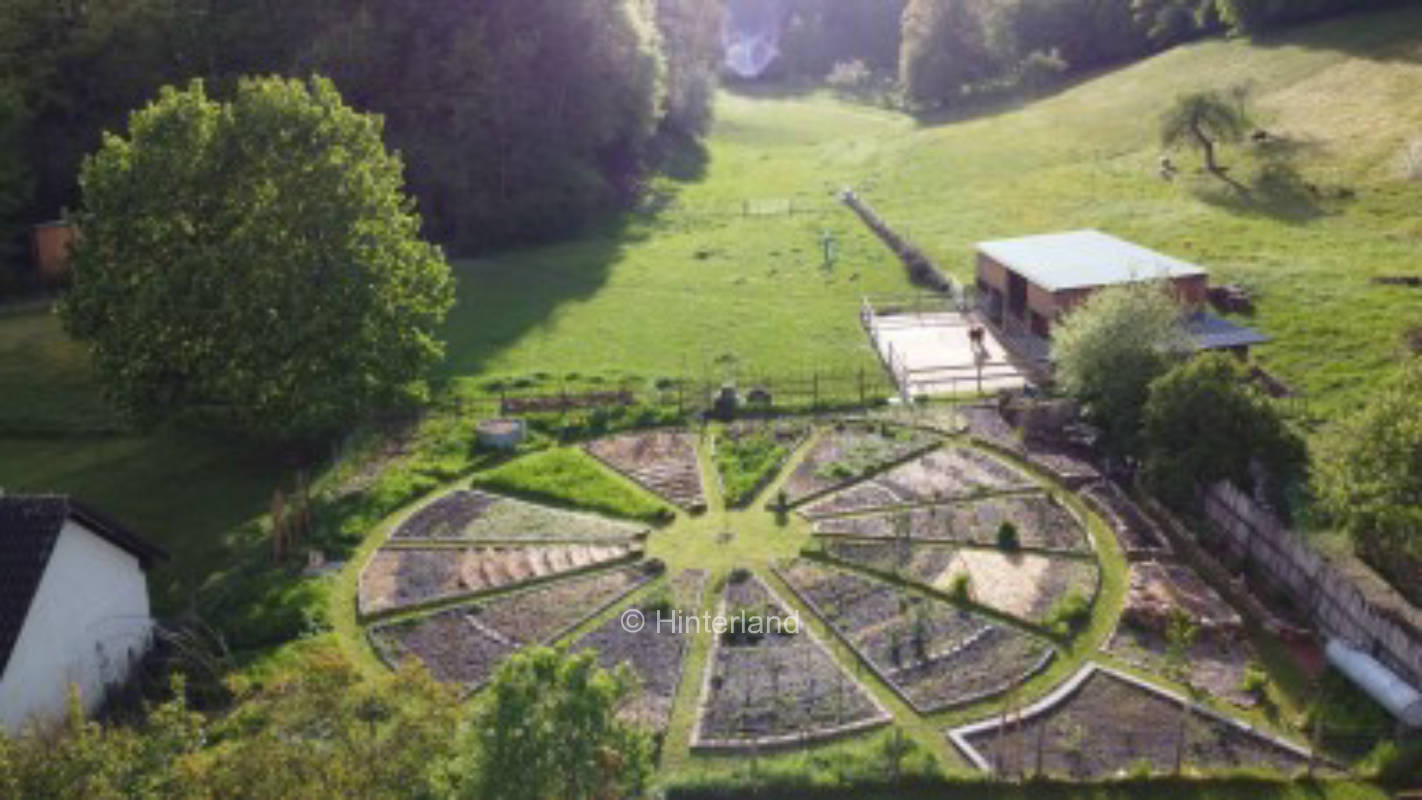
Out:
{"x": 87, "y": 625}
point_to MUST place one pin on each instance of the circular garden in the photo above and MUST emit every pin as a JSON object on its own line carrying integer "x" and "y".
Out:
{"x": 935, "y": 582}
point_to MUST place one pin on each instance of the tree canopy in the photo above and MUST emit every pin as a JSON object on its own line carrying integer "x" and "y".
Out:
{"x": 254, "y": 259}
{"x": 1368, "y": 473}
{"x": 552, "y": 730}
{"x": 1204, "y": 120}
{"x": 1203, "y": 422}
{"x": 517, "y": 121}
{"x": 1109, "y": 349}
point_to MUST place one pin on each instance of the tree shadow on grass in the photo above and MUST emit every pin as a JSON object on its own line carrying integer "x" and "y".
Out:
{"x": 501, "y": 297}
{"x": 1376, "y": 35}
{"x": 1276, "y": 190}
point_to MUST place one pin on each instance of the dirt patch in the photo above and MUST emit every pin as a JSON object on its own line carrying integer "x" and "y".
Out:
{"x": 954, "y": 473}
{"x": 663, "y": 461}
{"x": 1160, "y": 589}
{"x": 1218, "y": 664}
{"x": 1023, "y": 585}
{"x": 1109, "y": 726}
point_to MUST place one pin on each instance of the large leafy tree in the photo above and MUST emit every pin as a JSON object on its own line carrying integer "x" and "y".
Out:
{"x": 551, "y": 730}
{"x": 1204, "y": 422}
{"x": 1109, "y": 349}
{"x": 1368, "y": 472}
{"x": 1205, "y": 120}
{"x": 944, "y": 48}
{"x": 521, "y": 121}
{"x": 255, "y": 259}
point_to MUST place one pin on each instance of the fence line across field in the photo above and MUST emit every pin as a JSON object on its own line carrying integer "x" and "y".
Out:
{"x": 1332, "y": 602}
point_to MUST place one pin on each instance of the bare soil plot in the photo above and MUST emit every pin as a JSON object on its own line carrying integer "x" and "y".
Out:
{"x": 1108, "y": 725}
{"x": 1024, "y": 585}
{"x": 850, "y": 451}
{"x": 1218, "y": 663}
{"x": 663, "y": 461}
{"x": 779, "y": 688}
{"x": 1160, "y": 588}
{"x": 402, "y": 577}
{"x": 1139, "y": 536}
{"x": 653, "y": 654}
{"x": 953, "y": 473}
{"x": 467, "y": 643}
{"x": 1042, "y": 523}
{"x": 482, "y": 516}
{"x": 931, "y": 653}
{"x": 749, "y": 454}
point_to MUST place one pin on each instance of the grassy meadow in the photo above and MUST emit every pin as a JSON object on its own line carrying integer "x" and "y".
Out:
{"x": 717, "y": 278}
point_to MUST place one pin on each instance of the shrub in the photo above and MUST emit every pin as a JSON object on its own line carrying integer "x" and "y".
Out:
{"x": 960, "y": 588}
{"x": 1007, "y": 539}
{"x": 1396, "y": 764}
{"x": 1255, "y": 682}
{"x": 1070, "y": 613}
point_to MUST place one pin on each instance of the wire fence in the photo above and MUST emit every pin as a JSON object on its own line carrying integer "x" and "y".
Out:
{"x": 779, "y": 392}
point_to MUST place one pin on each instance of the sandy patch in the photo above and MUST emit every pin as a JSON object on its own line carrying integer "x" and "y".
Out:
{"x": 1011, "y": 583}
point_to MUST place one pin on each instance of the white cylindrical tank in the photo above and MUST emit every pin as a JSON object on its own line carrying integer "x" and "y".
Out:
{"x": 1382, "y": 684}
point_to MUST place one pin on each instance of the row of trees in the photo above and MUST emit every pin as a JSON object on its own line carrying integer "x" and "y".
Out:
{"x": 516, "y": 120}
{"x": 950, "y": 48}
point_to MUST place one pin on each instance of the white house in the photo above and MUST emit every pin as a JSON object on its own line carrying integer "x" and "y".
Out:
{"x": 73, "y": 606}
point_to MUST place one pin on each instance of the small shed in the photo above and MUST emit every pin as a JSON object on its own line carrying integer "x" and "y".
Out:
{"x": 73, "y": 606}
{"x": 51, "y": 242}
{"x": 1030, "y": 282}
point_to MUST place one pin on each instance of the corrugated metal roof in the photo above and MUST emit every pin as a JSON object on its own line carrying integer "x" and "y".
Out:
{"x": 1214, "y": 333}
{"x": 1083, "y": 259}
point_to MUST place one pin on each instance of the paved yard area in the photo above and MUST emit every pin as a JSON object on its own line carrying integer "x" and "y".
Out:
{"x": 934, "y": 354}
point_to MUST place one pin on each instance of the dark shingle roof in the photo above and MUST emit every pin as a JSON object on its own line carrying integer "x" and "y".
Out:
{"x": 29, "y": 528}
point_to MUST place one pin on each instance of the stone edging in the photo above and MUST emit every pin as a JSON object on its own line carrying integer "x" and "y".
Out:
{"x": 732, "y": 746}
{"x": 959, "y": 736}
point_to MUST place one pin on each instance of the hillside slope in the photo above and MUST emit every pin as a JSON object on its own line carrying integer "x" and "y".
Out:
{"x": 1328, "y": 208}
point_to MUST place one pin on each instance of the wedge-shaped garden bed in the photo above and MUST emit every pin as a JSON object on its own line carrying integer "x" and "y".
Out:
{"x": 569, "y": 477}
{"x": 749, "y": 454}
{"x": 775, "y": 688}
{"x": 1039, "y": 521}
{"x": 934, "y": 655}
{"x": 662, "y": 461}
{"x": 404, "y": 577}
{"x": 1102, "y": 723}
{"x": 653, "y": 653}
{"x": 473, "y": 515}
{"x": 952, "y": 473}
{"x": 849, "y": 451}
{"x": 1029, "y": 586}
{"x": 466, "y": 643}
